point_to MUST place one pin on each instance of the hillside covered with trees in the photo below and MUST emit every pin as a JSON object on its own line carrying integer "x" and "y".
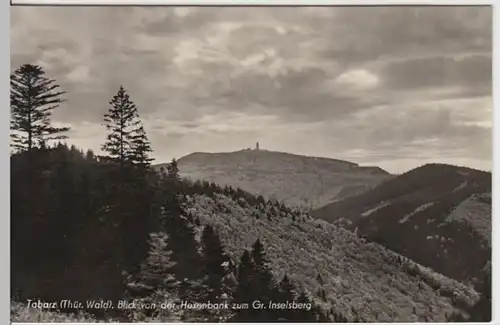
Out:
{"x": 108, "y": 227}
{"x": 438, "y": 215}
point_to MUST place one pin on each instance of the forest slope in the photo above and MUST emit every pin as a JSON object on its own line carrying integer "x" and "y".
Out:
{"x": 88, "y": 250}
{"x": 362, "y": 280}
{"x": 437, "y": 215}
{"x": 293, "y": 179}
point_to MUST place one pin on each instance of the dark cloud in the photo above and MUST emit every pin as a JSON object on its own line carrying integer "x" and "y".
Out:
{"x": 361, "y": 82}
{"x": 469, "y": 72}
{"x": 363, "y": 34}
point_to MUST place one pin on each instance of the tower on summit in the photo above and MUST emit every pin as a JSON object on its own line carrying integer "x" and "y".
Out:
{"x": 257, "y": 146}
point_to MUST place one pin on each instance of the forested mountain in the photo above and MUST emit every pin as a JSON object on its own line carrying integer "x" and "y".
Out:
{"x": 292, "y": 179}
{"x": 123, "y": 242}
{"x": 438, "y": 215}
{"x": 207, "y": 228}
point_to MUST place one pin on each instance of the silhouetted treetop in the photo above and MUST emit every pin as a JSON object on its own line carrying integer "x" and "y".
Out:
{"x": 33, "y": 97}
{"x": 126, "y": 141}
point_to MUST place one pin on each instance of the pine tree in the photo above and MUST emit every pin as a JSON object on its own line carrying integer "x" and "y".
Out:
{"x": 126, "y": 142}
{"x": 182, "y": 239}
{"x": 264, "y": 285}
{"x": 155, "y": 273}
{"x": 215, "y": 260}
{"x": 156, "y": 283}
{"x": 264, "y": 277}
{"x": 127, "y": 145}
{"x": 246, "y": 273}
{"x": 33, "y": 97}
{"x": 245, "y": 291}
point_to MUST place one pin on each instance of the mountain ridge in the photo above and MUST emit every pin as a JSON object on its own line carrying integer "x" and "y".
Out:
{"x": 306, "y": 181}
{"x": 206, "y": 153}
{"x": 412, "y": 215}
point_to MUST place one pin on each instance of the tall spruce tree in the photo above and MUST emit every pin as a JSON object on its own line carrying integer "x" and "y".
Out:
{"x": 126, "y": 142}
{"x": 33, "y": 97}
{"x": 127, "y": 146}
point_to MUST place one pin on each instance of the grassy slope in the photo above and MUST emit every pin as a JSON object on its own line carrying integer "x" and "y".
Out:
{"x": 297, "y": 180}
{"x": 359, "y": 276}
{"x": 410, "y": 214}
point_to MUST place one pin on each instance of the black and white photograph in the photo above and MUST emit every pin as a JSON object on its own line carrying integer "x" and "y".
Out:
{"x": 251, "y": 164}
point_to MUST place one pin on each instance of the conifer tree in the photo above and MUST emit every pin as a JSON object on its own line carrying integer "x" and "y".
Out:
{"x": 33, "y": 97}
{"x": 182, "y": 238}
{"x": 246, "y": 273}
{"x": 215, "y": 260}
{"x": 265, "y": 288}
{"x": 126, "y": 142}
{"x": 245, "y": 291}
{"x": 183, "y": 244}
{"x": 265, "y": 282}
{"x": 156, "y": 283}
{"x": 155, "y": 273}
{"x": 127, "y": 145}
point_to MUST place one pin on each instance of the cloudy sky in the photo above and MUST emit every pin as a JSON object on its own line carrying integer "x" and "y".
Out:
{"x": 395, "y": 87}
